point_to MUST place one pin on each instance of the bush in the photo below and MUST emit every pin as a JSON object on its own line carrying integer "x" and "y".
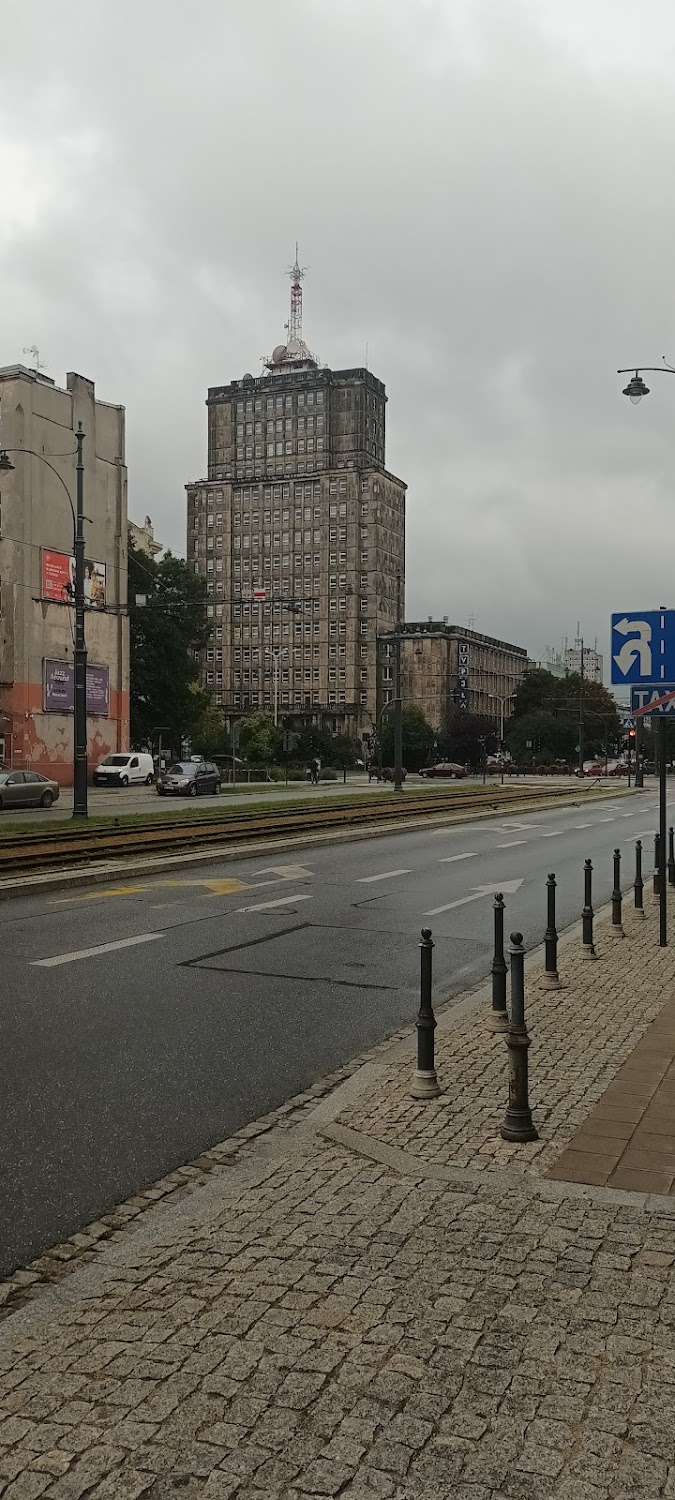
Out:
{"x": 328, "y": 776}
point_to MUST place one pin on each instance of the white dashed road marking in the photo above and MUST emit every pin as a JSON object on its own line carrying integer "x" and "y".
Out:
{"x": 450, "y": 858}
{"x": 270, "y": 905}
{"x": 71, "y": 958}
{"x": 386, "y": 875}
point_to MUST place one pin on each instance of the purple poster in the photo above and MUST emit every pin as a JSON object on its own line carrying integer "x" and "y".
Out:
{"x": 59, "y": 688}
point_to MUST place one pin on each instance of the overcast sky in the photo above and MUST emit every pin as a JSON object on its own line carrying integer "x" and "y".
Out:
{"x": 482, "y": 190}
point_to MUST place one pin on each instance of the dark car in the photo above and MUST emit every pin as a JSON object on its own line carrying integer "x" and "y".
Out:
{"x": 192, "y": 778}
{"x": 27, "y": 789}
{"x": 448, "y": 768}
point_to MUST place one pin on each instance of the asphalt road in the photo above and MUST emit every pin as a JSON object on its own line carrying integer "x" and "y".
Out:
{"x": 226, "y": 988}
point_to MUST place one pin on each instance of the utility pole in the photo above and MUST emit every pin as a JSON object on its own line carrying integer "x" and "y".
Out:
{"x": 398, "y": 720}
{"x": 80, "y": 715}
{"x": 581, "y": 708}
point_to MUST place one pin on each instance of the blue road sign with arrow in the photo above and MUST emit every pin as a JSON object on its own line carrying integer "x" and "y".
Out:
{"x": 643, "y": 647}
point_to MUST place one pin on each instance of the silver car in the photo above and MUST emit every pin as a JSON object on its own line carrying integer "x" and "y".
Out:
{"x": 27, "y": 789}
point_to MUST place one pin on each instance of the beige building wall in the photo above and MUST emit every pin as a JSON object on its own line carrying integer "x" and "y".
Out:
{"x": 445, "y": 667}
{"x": 35, "y": 515}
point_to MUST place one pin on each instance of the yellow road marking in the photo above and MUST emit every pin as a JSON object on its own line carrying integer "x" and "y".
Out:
{"x": 213, "y": 888}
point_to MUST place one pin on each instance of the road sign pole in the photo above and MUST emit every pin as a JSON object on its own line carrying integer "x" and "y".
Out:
{"x": 663, "y": 937}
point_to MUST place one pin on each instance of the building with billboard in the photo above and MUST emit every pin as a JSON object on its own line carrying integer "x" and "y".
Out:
{"x": 298, "y": 530}
{"x": 38, "y": 421}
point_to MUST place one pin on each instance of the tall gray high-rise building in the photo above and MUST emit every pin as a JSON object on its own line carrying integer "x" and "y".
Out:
{"x": 299, "y": 531}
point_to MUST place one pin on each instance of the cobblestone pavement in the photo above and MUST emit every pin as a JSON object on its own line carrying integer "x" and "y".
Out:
{"x": 342, "y": 1311}
{"x": 581, "y": 1035}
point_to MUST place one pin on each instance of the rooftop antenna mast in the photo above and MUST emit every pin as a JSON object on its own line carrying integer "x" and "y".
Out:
{"x": 35, "y": 355}
{"x": 294, "y": 324}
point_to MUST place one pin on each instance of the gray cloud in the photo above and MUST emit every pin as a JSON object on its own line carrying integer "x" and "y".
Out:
{"x": 482, "y": 193}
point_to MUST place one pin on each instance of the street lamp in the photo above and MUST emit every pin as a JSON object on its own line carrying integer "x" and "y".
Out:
{"x": 80, "y": 809}
{"x": 635, "y": 390}
{"x": 502, "y": 701}
{"x": 636, "y": 387}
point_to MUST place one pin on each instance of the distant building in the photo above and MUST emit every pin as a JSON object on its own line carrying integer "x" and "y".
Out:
{"x": 143, "y": 538}
{"x": 445, "y": 667}
{"x": 568, "y": 659}
{"x": 37, "y": 572}
{"x": 298, "y": 530}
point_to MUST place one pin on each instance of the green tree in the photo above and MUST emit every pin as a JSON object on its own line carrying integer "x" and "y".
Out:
{"x": 343, "y": 753}
{"x": 260, "y": 739}
{"x": 540, "y": 736}
{"x": 466, "y": 738}
{"x": 571, "y": 700}
{"x": 166, "y": 633}
{"x": 418, "y": 737}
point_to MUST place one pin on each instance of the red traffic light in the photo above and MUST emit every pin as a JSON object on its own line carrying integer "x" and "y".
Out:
{"x": 632, "y": 734}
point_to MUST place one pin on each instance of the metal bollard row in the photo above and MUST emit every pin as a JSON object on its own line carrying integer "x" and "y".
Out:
{"x": 518, "y": 1124}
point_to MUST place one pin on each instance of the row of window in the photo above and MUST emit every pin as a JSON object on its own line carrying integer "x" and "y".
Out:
{"x": 281, "y": 402}
{"x": 299, "y": 700}
{"x": 281, "y": 425}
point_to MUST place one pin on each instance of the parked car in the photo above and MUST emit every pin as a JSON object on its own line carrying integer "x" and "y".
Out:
{"x": 27, "y": 789}
{"x": 129, "y": 768}
{"x": 192, "y": 778}
{"x": 388, "y": 773}
{"x": 448, "y": 768}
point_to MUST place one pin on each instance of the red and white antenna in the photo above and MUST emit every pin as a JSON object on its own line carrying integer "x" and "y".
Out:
{"x": 294, "y": 352}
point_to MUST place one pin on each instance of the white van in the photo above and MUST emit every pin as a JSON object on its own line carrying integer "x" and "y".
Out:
{"x": 128, "y": 768}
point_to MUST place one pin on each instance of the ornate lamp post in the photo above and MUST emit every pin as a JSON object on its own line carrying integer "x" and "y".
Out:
{"x": 80, "y": 809}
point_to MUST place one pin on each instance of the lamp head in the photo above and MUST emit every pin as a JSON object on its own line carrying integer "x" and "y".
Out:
{"x": 6, "y": 464}
{"x": 636, "y": 389}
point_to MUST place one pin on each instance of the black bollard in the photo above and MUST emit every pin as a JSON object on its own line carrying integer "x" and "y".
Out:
{"x": 551, "y": 979}
{"x": 517, "y": 1124}
{"x": 639, "y": 884}
{"x": 671, "y": 857}
{"x": 425, "y": 1083}
{"x": 655, "y": 879}
{"x": 498, "y": 1019}
{"x": 616, "y": 928}
{"x": 587, "y": 914}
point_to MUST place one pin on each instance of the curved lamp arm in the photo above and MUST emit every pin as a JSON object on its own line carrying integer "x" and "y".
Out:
{"x": 5, "y": 466}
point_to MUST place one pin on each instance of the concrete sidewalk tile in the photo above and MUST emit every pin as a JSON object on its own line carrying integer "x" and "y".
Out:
{"x": 637, "y": 1180}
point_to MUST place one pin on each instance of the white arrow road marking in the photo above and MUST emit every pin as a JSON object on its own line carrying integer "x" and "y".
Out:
{"x": 386, "y": 875}
{"x": 507, "y": 887}
{"x": 270, "y": 905}
{"x": 70, "y": 958}
{"x": 450, "y": 859}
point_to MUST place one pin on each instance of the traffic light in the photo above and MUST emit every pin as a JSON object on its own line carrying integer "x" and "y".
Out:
{"x": 632, "y": 735}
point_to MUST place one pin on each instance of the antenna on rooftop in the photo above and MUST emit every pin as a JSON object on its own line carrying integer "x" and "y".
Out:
{"x": 35, "y": 356}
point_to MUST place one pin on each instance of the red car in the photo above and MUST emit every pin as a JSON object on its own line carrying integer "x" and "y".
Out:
{"x": 447, "y": 768}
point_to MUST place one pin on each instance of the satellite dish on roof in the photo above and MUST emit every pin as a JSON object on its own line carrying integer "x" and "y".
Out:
{"x": 279, "y": 354}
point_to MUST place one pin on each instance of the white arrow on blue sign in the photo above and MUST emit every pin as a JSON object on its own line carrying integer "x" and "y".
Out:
{"x": 643, "y": 646}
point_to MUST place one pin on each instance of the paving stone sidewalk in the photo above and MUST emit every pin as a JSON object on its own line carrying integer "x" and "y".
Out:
{"x": 376, "y": 1321}
{"x": 581, "y": 1036}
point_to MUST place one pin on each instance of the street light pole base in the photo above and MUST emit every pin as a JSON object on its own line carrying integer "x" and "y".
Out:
{"x": 425, "y": 1084}
{"x": 498, "y": 1020}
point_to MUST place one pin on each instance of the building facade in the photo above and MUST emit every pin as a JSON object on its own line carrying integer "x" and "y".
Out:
{"x": 143, "y": 538}
{"x": 567, "y": 659}
{"x": 446, "y": 667}
{"x": 299, "y": 531}
{"x": 37, "y": 572}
